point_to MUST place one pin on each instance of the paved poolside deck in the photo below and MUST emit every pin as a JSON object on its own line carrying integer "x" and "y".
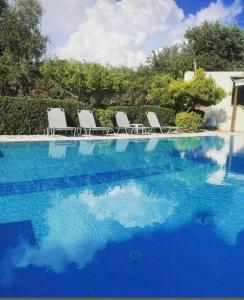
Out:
{"x": 26, "y": 138}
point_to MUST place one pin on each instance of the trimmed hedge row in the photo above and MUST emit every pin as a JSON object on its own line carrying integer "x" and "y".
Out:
{"x": 19, "y": 116}
{"x": 22, "y": 116}
{"x": 137, "y": 114}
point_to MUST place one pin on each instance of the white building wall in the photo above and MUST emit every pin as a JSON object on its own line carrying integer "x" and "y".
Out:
{"x": 223, "y": 110}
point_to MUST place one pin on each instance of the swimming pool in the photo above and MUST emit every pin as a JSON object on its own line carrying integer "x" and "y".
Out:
{"x": 122, "y": 218}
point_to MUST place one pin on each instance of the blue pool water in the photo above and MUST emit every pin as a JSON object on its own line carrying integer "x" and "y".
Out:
{"x": 122, "y": 218}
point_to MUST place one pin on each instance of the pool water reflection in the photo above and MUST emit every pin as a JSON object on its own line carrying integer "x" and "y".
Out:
{"x": 123, "y": 218}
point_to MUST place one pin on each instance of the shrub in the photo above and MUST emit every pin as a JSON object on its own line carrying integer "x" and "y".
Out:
{"x": 105, "y": 117}
{"x": 189, "y": 121}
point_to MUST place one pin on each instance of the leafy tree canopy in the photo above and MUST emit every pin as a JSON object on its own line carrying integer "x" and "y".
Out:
{"x": 201, "y": 90}
{"x": 158, "y": 92}
{"x": 174, "y": 60}
{"x": 215, "y": 47}
{"x": 22, "y": 45}
{"x": 3, "y": 5}
{"x": 160, "y": 81}
{"x": 90, "y": 83}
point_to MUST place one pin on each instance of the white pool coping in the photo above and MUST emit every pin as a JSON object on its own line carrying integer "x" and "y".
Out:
{"x": 38, "y": 138}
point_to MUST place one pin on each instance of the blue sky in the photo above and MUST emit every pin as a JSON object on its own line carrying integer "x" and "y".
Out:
{"x": 193, "y": 6}
{"x": 125, "y": 32}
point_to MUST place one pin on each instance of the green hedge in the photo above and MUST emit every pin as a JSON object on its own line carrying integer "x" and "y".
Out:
{"x": 137, "y": 114}
{"x": 21, "y": 116}
{"x": 29, "y": 116}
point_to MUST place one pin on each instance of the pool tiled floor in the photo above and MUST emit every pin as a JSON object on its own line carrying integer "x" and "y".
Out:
{"x": 171, "y": 264}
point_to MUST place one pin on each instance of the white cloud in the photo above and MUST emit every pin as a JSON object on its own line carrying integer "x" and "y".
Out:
{"x": 218, "y": 11}
{"x": 124, "y": 32}
{"x": 89, "y": 223}
{"x": 61, "y": 18}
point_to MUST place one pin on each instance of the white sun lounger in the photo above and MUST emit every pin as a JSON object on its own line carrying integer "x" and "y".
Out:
{"x": 57, "y": 121}
{"x": 86, "y": 148}
{"x": 152, "y": 144}
{"x": 57, "y": 150}
{"x": 88, "y": 124}
{"x": 124, "y": 124}
{"x": 121, "y": 145}
{"x": 154, "y": 123}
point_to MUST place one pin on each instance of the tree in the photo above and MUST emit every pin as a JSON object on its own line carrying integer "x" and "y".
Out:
{"x": 204, "y": 90}
{"x": 201, "y": 90}
{"x": 3, "y": 6}
{"x": 98, "y": 83}
{"x": 158, "y": 92}
{"x": 217, "y": 47}
{"x": 137, "y": 88}
{"x": 174, "y": 60}
{"x": 65, "y": 77}
{"x": 22, "y": 46}
{"x": 90, "y": 83}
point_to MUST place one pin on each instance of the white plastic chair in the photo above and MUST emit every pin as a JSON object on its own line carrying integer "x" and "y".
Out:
{"x": 86, "y": 148}
{"x": 154, "y": 123}
{"x": 88, "y": 124}
{"x": 152, "y": 144}
{"x": 124, "y": 124}
{"x": 121, "y": 145}
{"x": 57, "y": 121}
